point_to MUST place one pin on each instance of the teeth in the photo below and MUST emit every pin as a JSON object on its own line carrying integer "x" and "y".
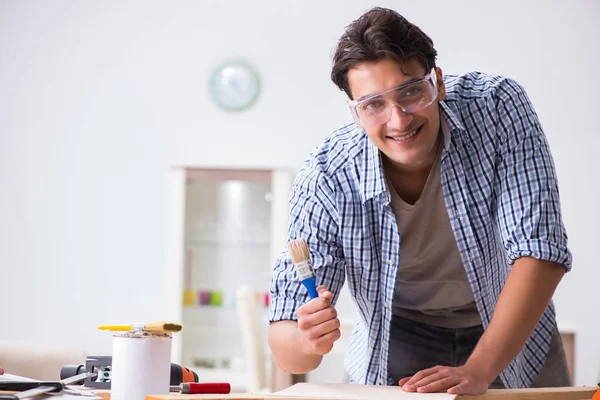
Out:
{"x": 405, "y": 137}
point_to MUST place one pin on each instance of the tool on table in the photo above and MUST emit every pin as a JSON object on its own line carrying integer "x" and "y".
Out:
{"x": 301, "y": 258}
{"x": 101, "y": 367}
{"x": 202, "y": 388}
{"x": 154, "y": 327}
{"x": 30, "y": 389}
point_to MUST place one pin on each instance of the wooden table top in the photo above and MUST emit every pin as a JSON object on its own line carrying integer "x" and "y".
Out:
{"x": 363, "y": 392}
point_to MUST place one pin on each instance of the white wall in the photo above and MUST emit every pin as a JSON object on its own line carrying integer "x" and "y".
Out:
{"x": 97, "y": 99}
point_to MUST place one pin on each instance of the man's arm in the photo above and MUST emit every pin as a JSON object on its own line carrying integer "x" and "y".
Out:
{"x": 303, "y": 330}
{"x": 289, "y": 350}
{"x": 530, "y": 224}
{"x": 298, "y": 346}
{"x": 526, "y": 294}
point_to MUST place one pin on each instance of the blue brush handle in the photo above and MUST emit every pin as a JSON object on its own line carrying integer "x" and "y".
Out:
{"x": 311, "y": 285}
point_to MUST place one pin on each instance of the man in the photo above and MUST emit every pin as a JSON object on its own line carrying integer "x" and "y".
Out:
{"x": 440, "y": 206}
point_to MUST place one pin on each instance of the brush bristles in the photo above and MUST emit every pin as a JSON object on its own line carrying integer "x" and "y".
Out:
{"x": 298, "y": 250}
{"x": 162, "y": 327}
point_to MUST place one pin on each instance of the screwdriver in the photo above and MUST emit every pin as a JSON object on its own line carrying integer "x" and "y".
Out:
{"x": 202, "y": 388}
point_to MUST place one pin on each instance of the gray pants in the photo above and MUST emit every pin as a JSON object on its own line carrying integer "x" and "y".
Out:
{"x": 415, "y": 346}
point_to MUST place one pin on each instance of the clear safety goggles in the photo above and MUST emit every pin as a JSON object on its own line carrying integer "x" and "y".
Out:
{"x": 410, "y": 97}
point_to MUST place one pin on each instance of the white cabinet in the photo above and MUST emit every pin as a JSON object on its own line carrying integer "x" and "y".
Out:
{"x": 232, "y": 226}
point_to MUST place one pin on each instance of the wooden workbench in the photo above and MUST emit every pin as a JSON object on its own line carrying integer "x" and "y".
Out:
{"x": 309, "y": 391}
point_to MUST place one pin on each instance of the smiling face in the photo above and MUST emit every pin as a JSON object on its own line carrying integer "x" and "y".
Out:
{"x": 408, "y": 139}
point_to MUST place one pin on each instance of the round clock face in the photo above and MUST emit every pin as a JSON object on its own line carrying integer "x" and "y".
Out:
{"x": 234, "y": 86}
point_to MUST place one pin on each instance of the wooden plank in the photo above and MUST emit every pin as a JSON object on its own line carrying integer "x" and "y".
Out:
{"x": 232, "y": 396}
{"x": 560, "y": 393}
{"x": 353, "y": 392}
{"x": 342, "y": 391}
{"x": 366, "y": 392}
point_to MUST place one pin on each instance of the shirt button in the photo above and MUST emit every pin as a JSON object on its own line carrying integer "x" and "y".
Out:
{"x": 390, "y": 262}
{"x": 381, "y": 381}
{"x": 385, "y": 305}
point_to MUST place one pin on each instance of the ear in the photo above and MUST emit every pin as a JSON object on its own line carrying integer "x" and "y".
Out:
{"x": 440, "y": 83}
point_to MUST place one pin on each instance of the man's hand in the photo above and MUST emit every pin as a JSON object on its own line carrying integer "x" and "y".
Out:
{"x": 454, "y": 380}
{"x": 318, "y": 323}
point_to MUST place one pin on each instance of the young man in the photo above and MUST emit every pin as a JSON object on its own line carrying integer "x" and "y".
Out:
{"x": 440, "y": 207}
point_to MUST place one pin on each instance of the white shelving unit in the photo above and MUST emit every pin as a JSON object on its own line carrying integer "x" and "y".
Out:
{"x": 234, "y": 224}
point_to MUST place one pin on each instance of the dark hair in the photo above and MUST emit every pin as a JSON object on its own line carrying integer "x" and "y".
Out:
{"x": 380, "y": 34}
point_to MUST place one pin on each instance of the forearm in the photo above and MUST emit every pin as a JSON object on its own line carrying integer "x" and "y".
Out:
{"x": 290, "y": 352}
{"x": 526, "y": 294}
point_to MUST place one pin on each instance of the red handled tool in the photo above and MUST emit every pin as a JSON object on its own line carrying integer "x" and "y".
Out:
{"x": 203, "y": 388}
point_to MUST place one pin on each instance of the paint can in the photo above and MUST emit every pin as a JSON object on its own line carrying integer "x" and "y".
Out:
{"x": 141, "y": 365}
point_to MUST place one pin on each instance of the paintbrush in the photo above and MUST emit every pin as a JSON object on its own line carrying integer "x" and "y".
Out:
{"x": 301, "y": 258}
{"x": 150, "y": 327}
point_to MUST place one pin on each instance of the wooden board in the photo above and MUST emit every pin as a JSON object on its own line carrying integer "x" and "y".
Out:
{"x": 367, "y": 392}
{"x": 342, "y": 391}
{"x": 309, "y": 391}
{"x": 232, "y": 396}
{"x": 563, "y": 393}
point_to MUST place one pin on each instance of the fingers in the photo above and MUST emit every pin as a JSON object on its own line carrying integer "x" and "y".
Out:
{"x": 453, "y": 380}
{"x": 314, "y": 332}
{"x": 324, "y": 344}
{"x": 429, "y": 379}
{"x": 422, "y": 374}
{"x": 410, "y": 385}
{"x": 318, "y": 322}
{"x": 458, "y": 389}
{"x": 324, "y": 292}
{"x": 307, "y": 320}
{"x": 320, "y": 329}
{"x": 320, "y": 303}
{"x": 402, "y": 381}
{"x": 437, "y": 384}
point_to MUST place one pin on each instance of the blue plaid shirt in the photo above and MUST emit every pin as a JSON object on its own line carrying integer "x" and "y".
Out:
{"x": 502, "y": 197}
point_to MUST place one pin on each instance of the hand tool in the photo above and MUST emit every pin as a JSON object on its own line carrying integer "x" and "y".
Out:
{"x": 159, "y": 327}
{"x": 203, "y": 388}
{"x": 101, "y": 366}
{"x": 30, "y": 389}
{"x": 298, "y": 249}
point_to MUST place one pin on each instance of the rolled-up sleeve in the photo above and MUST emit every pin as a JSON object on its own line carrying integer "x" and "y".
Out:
{"x": 313, "y": 216}
{"x": 529, "y": 210}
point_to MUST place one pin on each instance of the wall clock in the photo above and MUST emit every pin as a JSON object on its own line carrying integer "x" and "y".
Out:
{"x": 234, "y": 85}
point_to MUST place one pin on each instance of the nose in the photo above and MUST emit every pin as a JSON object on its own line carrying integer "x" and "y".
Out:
{"x": 399, "y": 119}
